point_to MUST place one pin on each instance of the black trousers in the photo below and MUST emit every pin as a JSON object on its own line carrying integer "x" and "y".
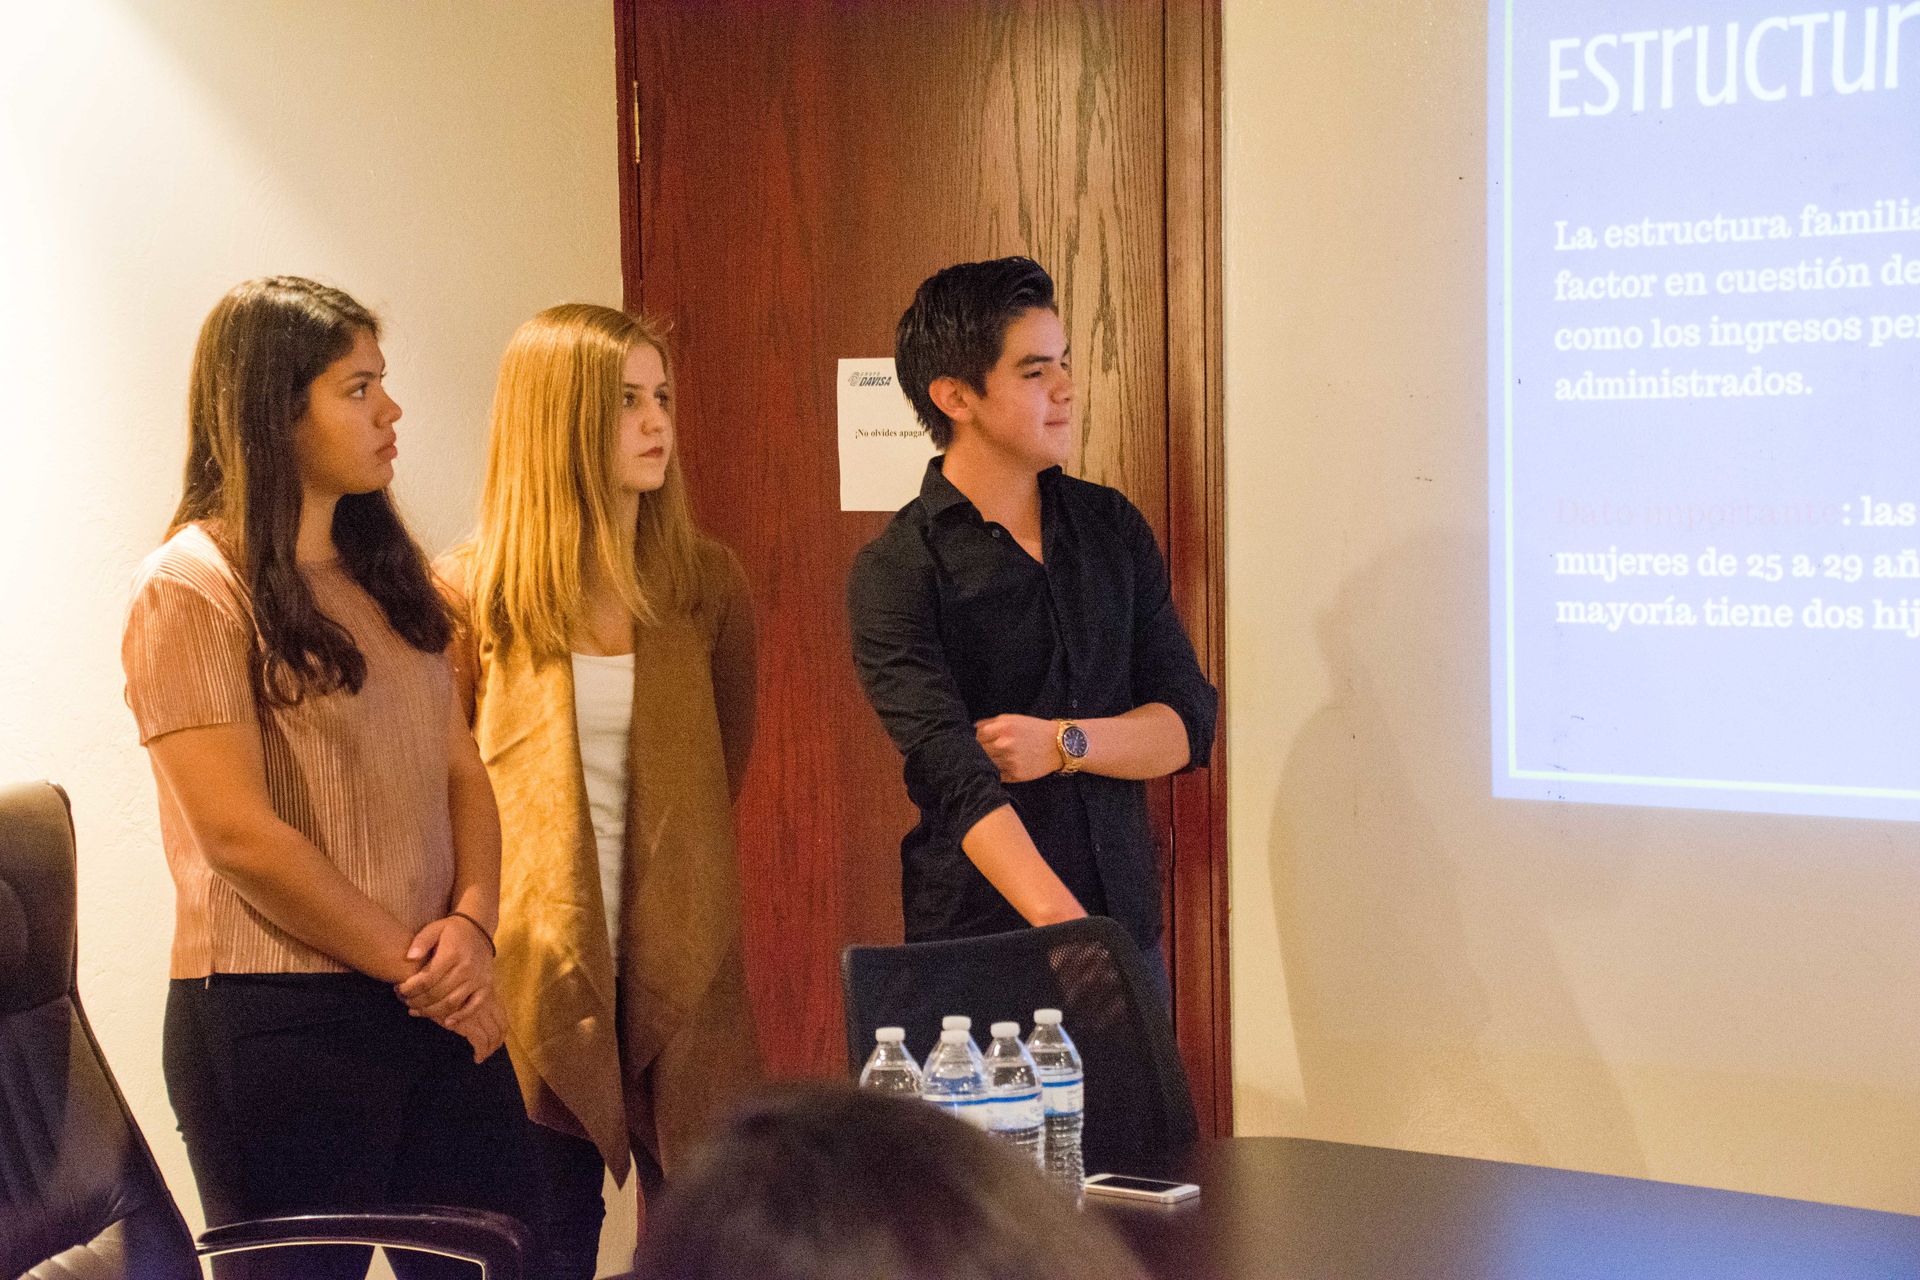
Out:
{"x": 303, "y": 1092}
{"x": 571, "y": 1210}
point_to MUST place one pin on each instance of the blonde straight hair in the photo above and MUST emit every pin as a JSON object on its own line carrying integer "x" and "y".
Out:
{"x": 548, "y": 501}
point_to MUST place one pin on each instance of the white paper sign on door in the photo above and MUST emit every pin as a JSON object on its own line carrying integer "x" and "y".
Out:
{"x": 883, "y": 447}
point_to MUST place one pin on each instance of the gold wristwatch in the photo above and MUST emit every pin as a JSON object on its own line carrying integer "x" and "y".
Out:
{"x": 1072, "y": 741}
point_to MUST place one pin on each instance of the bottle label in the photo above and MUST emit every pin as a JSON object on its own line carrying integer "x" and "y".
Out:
{"x": 1017, "y": 1111}
{"x": 1066, "y": 1095}
{"x": 978, "y": 1112}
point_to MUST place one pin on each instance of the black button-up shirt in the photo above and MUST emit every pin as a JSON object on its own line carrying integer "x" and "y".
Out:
{"x": 953, "y": 622}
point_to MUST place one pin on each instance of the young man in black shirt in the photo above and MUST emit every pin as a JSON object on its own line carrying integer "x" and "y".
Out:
{"x": 1015, "y": 631}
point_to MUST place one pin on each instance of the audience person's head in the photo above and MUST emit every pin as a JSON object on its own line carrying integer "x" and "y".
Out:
{"x": 956, "y": 327}
{"x": 824, "y": 1182}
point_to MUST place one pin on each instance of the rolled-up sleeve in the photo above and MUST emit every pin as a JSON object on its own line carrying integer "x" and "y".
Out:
{"x": 1165, "y": 669}
{"x": 893, "y": 610}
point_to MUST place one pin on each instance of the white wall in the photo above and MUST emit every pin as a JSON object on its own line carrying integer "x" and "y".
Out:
{"x": 451, "y": 164}
{"x": 1720, "y": 999}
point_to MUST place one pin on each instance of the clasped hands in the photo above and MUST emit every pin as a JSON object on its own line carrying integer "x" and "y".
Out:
{"x": 454, "y": 984}
{"x": 1021, "y": 747}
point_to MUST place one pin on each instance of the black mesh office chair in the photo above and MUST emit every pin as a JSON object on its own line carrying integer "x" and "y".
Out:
{"x": 80, "y": 1195}
{"x": 1139, "y": 1112}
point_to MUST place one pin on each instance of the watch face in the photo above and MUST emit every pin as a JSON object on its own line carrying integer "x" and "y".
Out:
{"x": 1074, "y": 741}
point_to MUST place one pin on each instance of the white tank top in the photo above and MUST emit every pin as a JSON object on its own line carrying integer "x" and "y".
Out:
{"x": 603, "y": 714}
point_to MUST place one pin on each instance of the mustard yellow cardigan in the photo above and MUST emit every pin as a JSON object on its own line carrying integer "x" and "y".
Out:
{"x": 644, "y": 1047}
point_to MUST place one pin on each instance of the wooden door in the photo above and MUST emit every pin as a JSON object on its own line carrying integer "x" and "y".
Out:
{"x": 795, "y": 171}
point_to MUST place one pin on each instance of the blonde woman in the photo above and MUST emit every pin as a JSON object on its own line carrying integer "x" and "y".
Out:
{"x": 609, "y": 668}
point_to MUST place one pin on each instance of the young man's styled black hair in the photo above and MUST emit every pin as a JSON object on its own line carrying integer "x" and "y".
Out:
{"x": 957, "y": 327}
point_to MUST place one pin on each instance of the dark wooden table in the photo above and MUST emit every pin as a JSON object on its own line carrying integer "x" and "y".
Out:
{"x": 1289, "y": 1207}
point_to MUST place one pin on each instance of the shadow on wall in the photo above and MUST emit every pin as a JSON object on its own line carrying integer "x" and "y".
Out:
{"x": 1430, "y": 1008}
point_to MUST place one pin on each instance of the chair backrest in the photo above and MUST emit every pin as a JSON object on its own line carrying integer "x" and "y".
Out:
{"x": 1139, "y": 1111}
{"x": 80, "y": 1195}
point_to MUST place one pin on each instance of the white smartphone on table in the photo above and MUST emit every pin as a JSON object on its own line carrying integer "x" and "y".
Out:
{"x": 1122, "y": 1186}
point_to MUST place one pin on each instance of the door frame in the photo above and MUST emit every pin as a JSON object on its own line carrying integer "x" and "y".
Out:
{"x": 1196, "y": 542}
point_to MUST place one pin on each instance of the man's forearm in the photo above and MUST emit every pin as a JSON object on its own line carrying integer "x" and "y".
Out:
{"x": 1147, "y": 742}
{"x": 999, "y": 846}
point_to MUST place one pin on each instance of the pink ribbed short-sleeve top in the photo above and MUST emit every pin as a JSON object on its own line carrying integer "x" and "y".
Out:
{"x": 362, "y": 775}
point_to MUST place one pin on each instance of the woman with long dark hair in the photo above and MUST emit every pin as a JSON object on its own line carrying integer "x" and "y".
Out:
{"x": 609, "y": 652}
{"x": 332, "y": 1030}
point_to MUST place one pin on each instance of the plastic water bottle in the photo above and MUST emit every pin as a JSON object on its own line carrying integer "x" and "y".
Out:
{"x": 1014, "y": 1084}
{"x": 961, "y": 1022}
{"x": 890, "y": 1068}
{"x": 1063, "y": 1091}
{"x": 952, "y": 1082}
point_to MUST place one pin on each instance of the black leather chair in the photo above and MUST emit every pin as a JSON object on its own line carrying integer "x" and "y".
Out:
{"x": 80, "y": 1195}
{"x": 1139, "y": 1111}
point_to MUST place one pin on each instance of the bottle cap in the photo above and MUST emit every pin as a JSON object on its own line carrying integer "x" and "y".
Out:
{"x": 1046, "y": 1017}
{"x": 1002, "y": 1030}
{"x": 890, "y": 1035}
{"x": 956, "y": 1020}
{"x": 954, "y": 1035}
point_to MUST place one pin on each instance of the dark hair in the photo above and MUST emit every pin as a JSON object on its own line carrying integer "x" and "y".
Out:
{"x": 957, "y": 327}
{"x": 254, "y": 366}
{"x": 824, "y": 1182}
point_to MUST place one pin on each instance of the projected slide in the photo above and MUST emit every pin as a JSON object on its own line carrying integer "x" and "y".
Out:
{"x": 1704, "y": 394}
